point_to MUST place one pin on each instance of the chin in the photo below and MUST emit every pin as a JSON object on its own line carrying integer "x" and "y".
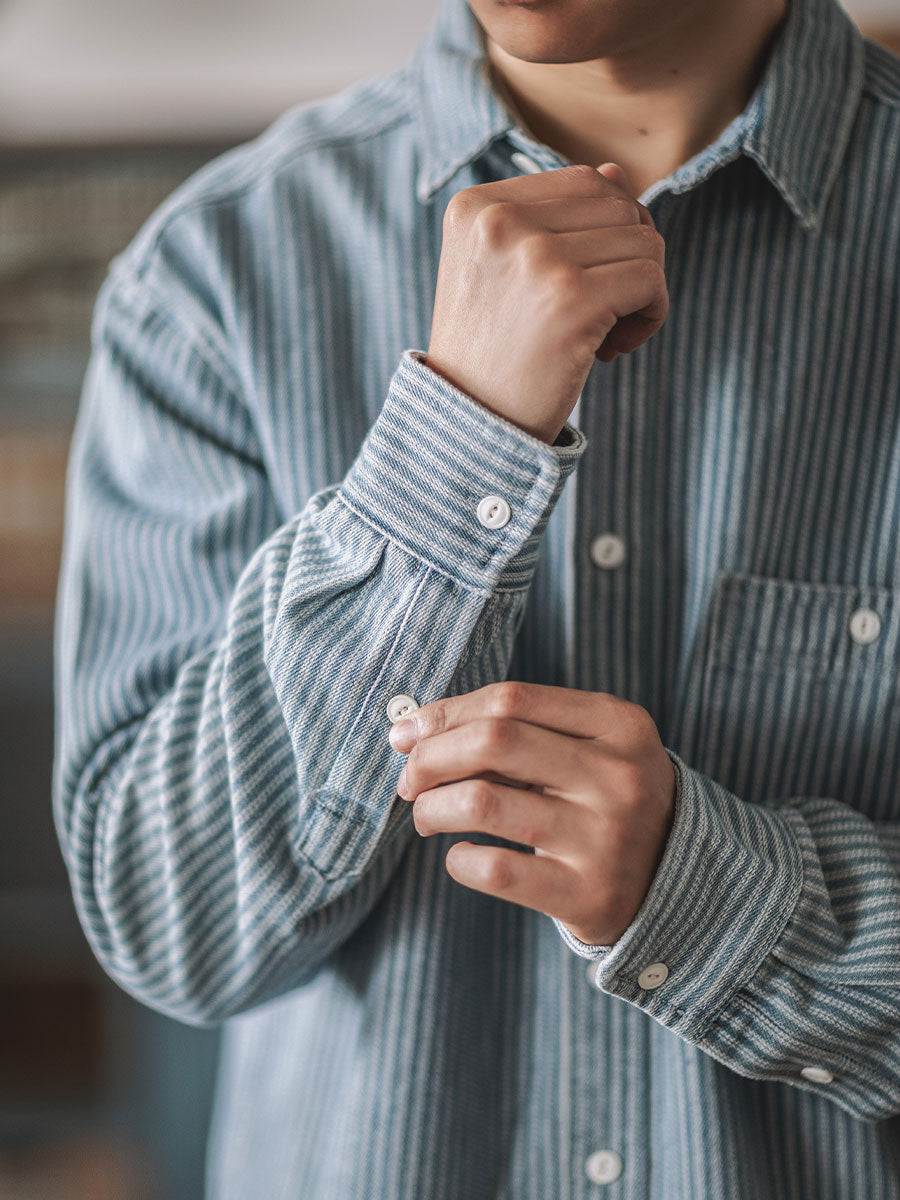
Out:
{"x": 568, "y": 31}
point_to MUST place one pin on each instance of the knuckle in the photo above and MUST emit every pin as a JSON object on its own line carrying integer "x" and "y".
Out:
{"x": 507, "y": 699}
{"x": 619, "y": 210}
{"x": 638, "y": 724}
{"x": 640, "y": 715}
{"x": 604, "y": 319}
{"x": 655, "y": 243}
{"x": 459, "y": 211}
{"x": 583, "y": 171}
{"x": 497, "y": 872}
{"x": 494, "y": 733}
{"x": 564, "y": 283}
{"x": 479, "y": 802}
{"x": 495, "y": 221}
{"x": 536, "y": 253}
{"x": 654, "y": 273}
{"x": 583, "y": 757}
{"x": 431, "y": 722}
{"x": 651, "y": 271}
{"x": 531, "y": 835}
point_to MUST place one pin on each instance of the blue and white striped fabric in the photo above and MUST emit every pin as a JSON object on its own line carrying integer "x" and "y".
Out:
{"x": 272, "y": 531}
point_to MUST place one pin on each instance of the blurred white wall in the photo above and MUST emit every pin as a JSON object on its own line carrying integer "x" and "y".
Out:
{"x": 122, "y": 69}
{"x": 100, "y": 70}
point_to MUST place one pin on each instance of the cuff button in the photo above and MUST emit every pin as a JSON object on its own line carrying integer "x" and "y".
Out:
{"x": 653, "y": 976}
{"x": 401, "y": 706}
{"x": 493, "y": 512}
{"x": 817, "y": 1074}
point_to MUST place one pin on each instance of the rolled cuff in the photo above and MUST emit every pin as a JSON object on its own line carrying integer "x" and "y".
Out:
{"x": 728, "y": 882}
{"x": 433, "y": 455}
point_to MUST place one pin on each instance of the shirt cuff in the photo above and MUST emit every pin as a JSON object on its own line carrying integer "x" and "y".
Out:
{"x": 594, "y": 953}
{"x": 728, "y": 882}
{"x": 433, "y": 455}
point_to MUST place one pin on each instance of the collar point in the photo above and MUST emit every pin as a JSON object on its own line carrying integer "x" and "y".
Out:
{"x": 810, "y": 222}
{"x": 424, "y": 190}
{"x": 806, "y": 209}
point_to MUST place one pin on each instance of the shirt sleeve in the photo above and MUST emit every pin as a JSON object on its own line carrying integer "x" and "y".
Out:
{"x": 770, "y": 938}
{"x": 224, "y": 787}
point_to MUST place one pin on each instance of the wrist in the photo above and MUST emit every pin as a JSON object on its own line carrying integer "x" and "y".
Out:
{"x": 545, "y": 431}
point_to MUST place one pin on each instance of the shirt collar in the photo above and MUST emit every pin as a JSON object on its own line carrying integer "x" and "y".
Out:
{"x": 796, "y": 126}
{"x": 806, "y": 105}
{"x": 459, "y": 112}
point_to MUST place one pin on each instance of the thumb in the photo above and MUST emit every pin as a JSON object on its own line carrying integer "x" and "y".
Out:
{"x": 617, "y": 176}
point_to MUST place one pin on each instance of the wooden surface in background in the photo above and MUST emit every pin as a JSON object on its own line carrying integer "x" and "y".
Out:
{"x": 32, "y": 480}
{"x": 50, "y": 1038}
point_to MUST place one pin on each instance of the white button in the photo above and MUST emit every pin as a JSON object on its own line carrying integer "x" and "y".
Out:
{"x": 865, "y": 626}
{"x": 603, "y": 1166}
{"x": 524, "y": 163}
{"x": 592, "y": 973}
{"x": 401, "y": 706}
{"x": 493, "y": 512}
{"x": 608, "y": 551}
{"x": 653, "y": 976}
{"x": 817, "y": 1075}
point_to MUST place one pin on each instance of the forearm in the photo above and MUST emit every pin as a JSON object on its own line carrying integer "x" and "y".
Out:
{"x": 225, "y": 791}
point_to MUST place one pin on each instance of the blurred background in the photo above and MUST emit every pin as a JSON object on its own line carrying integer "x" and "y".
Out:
{"x": 105, "y": 106}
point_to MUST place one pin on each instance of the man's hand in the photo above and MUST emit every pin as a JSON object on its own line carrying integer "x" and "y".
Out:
{"x": 585, "y": 781}
{"x": 538, "y": 276}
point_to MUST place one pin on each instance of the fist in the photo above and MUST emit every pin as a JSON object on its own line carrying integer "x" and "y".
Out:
{"x": 538, "y": 276}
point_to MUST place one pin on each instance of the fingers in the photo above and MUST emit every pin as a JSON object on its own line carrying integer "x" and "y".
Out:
{"x": 524, "y": 753}
{"x": 483, "y": 806}
{"x": 597, "y": 247}
{"x": 566, "y": 710}
{"x": 634, "y": 289}
{"x": 625, "y": 336}
{"x": 617, "y": 175}
{"x": 577, "y": 180}
{"x": 544, "y": 884}
{"x": 583, "y": 212}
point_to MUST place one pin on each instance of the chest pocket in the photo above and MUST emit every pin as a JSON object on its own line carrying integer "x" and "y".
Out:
{"x": 794, "y": 690}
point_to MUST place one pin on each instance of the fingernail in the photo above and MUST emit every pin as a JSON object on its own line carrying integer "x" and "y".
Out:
{"x": 403, "y": 736}
{"x": 401, "y": 784}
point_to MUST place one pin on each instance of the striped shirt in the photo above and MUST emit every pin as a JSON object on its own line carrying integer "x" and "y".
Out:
{"x": 272, "y": 531}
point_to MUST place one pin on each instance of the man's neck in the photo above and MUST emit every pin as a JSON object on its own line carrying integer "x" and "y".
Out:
{"x": 654, "y": 107}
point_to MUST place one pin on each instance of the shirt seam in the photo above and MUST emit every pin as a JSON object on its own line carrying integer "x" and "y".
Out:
{"x": 397, "y": 541}
{"x": 125, "y": 277}
{"x": 257, "y": 176}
